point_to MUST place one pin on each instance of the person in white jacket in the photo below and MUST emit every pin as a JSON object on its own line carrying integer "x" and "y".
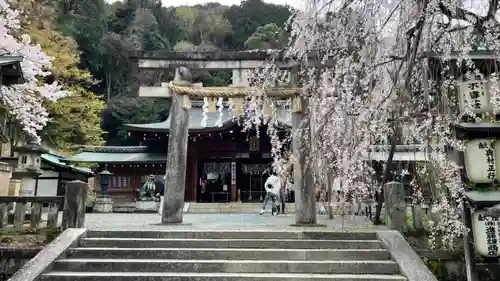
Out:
{"x": 272, "y": 186}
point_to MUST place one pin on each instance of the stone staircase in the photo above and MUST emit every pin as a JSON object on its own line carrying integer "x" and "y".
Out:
{"x": 225, "y": 256}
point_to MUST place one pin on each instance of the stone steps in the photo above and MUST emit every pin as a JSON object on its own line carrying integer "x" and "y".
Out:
{"x": 226, "y": 266}
{"x": 230, "y": 254}
{"x": 208, "y": 234}
{"x": 163, "y": 276}
{"x": 225, "y": 256}
{"x": 230, "y": 243}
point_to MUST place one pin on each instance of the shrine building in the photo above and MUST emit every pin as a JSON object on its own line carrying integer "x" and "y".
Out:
{"x": 223, "y": 164}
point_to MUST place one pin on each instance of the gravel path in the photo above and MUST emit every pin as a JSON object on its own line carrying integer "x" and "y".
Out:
{"x": 136, "y": 221}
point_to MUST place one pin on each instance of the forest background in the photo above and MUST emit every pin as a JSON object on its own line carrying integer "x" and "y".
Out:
{"x": 91, "y": 42}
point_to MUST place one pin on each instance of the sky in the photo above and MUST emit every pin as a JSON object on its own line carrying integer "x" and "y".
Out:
{"x": 166, "y": 3}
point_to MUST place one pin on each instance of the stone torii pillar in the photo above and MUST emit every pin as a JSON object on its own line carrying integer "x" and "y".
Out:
{"x": 175, "y": 182}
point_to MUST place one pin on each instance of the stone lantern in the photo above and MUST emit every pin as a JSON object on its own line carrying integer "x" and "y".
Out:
{"x": 103, "y": 203}
{"x": 28, "y": 166}
{"x": 104, "y": 178}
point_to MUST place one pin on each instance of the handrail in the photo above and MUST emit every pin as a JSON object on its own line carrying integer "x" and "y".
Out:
{"x": 32, "y": 199}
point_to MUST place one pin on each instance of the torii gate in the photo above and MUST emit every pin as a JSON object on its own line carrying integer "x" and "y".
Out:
{"x": 181, "y": 91}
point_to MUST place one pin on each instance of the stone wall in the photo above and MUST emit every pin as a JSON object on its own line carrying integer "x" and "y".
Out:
{"x": 448, "y": 267}
{"x": 11, "y": 259}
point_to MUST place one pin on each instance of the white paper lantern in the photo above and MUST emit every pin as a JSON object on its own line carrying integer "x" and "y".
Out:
{"x": 486, "y": 231}
{"x": 480, "y": 161}
{"x": 474, "y": 94}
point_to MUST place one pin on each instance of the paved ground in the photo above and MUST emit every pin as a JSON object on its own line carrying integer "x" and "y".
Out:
{"x": 135, "y": 221}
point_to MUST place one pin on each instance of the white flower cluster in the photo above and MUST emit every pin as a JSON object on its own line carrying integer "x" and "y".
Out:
{"x": 25, "y": 100}
{"x": 376, "y": 82}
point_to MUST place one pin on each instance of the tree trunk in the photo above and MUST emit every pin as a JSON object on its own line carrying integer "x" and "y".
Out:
{"x": 305, "y": 199}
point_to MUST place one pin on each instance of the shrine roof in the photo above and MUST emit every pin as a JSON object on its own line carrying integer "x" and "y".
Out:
{"x": 196, "y": 116}
{"x": 113, "y": 149}
{"x": 59, "y": 161}
{"x": 483, "y": 197}
{"x": 466, "y": 131}
{"x": 7, "y": 60}
{"x": 117, "y": 157}
{"x": 11, "y": 66}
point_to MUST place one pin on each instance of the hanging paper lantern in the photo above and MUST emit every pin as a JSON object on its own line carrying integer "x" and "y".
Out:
{"x": 486, "y": 231}
{"x": 473, "y": 95}
{"x": 480, "y": 161}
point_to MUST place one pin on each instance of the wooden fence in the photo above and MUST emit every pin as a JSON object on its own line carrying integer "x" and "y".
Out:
{"x": 20, "y": 212}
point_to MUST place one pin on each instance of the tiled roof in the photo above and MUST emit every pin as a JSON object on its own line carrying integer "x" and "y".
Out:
{"x": 117, "y": 157}
{"x": 6, "y": 60}
{"x": 54, "y": 159}
{"x": 114, "y": 149}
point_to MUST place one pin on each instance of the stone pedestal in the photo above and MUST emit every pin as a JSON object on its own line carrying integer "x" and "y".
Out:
{"x": 14, "y": 187}
{"x": 146, "y": 206}
{"x": 103, "y": 205}
{"x": 4, "y": 179}
{"x": 395, "y": 207}
{"x": 27, "y": 188}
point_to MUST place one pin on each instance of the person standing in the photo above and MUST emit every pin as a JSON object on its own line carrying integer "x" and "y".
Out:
{"x": 272, "y": 186}
{"x": 161, "y": 194}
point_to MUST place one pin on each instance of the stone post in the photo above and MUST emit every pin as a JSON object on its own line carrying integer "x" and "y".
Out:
{"x": 175, "y": 182}
{"x": 240, "y": 77}
{"x": 329, "y": 187}
{"x": 395, "y": 206}
{"x": 14, "y": 188}
{"x": 74, "y": 205}
{"x": 4, "y": 178}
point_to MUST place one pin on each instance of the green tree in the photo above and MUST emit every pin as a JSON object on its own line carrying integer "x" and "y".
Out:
{"x": 74, "y": 119}
{"x": 249, "y": 15}
{"x": 269, "y": 36}
{"x": 131, "y": 111}
{"x": 84, "y": 21}
{"x": 116, "y": 64}
{"x": 204, "y": 24}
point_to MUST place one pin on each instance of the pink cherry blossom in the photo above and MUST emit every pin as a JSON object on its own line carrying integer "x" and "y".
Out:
{"x": 25, "y": 100}
{"x": 374, "y": 81}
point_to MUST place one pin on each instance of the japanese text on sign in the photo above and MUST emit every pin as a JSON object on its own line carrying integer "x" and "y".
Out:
{"x": 474, "y": 96}
{"x": 491, "y": 228}
{"x": 475, "y": 91}
{"x": 480, "y": 160}
{"x": 490, "y": 160}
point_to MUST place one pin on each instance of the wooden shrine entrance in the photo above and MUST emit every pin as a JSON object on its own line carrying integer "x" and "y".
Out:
{"x": 182, "y": 91}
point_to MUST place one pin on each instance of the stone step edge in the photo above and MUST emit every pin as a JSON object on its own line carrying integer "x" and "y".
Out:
{"x": 118, "y": 239}
{"x": 197, "y": 261}
{"x": 227, "y": 249}
{"x": 382, "y": 277}
{"x": 231, "y": 231}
